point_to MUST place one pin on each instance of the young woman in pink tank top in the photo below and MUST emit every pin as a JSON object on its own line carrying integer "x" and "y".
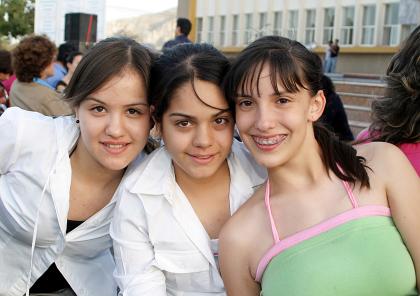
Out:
{"x": 396, "y": 115}
{"x": 317, "y": 185}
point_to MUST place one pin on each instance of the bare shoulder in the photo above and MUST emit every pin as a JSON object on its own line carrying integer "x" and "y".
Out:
{"x": 242, "y": 227}
{"x": 386, "y": 161}
{"x": 380, "y": 154}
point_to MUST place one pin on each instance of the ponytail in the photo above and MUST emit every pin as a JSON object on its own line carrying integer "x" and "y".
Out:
{"x": 341, "y": 157}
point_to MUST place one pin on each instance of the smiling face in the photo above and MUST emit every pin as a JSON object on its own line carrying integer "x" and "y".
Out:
{"x": 275, "y": 126}
{"x": 114, "y": 122}
{"x": 197, "y": 136}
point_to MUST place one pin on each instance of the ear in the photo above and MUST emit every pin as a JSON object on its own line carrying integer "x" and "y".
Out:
{"x": 317, "y": 106}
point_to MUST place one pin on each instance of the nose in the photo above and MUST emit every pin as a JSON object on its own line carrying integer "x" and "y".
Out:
{"x": 115, "y": 126}
{"x": 203, "y": 137}
{"x": 265, "y": 120}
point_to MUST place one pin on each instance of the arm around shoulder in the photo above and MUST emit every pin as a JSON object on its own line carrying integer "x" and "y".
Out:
{"x": 234, "y": 261}
{"x": 136, "y": 273}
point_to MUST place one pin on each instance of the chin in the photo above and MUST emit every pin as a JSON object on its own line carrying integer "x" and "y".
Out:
{"x": 115, "y": 165}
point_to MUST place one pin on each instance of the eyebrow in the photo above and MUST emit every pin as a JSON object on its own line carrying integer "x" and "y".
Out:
{"x": 281, "y": 93}
{"x": 193, "y": 117}
{"x": 103, "y": 103}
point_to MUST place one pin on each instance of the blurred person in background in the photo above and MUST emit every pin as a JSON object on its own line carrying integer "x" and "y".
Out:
{"x": 5, "y": 73}
{"x": 183, "y": 28}
{"x": 33, "y": 62}
{"x": 334, "y": 116}
{"x": 73, "y": 60}
{"x": 6, "y": 70}
{"x": 60, "y": 69}
{"x": 396, "y": 116}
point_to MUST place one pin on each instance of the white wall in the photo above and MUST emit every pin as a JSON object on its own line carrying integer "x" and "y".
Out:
{"x": 50, "y": 16}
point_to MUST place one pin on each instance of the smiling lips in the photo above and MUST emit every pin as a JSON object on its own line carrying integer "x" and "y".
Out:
{"x": 268, "y": 143}
{"x": 202, "y": 159}
{"x": 114, "y": 148}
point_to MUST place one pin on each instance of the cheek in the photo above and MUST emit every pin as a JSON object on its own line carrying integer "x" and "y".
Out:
{"x": 243, "y": 120}
{"x": 140, "y": 129}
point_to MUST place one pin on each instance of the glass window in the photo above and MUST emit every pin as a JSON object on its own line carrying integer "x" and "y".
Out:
{"x": 310, "y": 26}
{"x": 235, "y": 29}
{"x": 210, "y": 29}
{"x": 263, "y": 25}
{"x": 248, "y": 28}
{"x": 328, "y": 32}
{"x": 222, "y": 30}
{"x": 292, "y": 24}
{"x": 199, "y": 30}
{"x": 278, "y": 19}
{"x": 391, "y": 25}
{"x": 368, "y": 25}
{"x": 347, "y": 25}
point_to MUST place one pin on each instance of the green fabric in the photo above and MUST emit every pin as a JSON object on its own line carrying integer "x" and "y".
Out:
{"x": 362, "y": 257}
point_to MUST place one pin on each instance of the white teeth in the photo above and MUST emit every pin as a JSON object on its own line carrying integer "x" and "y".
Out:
{"x": 268, "y": 141}
{"x": 114, "y": 146}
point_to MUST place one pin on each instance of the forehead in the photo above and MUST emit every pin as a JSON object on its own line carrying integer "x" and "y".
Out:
{"x": 272, "y": 74}
{"x": 125, "y": 86}
{"x": 199, "y": 95}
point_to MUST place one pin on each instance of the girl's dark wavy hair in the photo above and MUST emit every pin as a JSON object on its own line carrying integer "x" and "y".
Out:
{"x": 294, "y": 67}
{"x": 184, "y": 63}
{"x": 107, "y": 59}
{"x": 396, "y": 116}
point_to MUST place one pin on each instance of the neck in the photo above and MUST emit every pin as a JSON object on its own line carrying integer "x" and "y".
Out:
{"x": 85, "y": 168}
{"x": 208, "y": 184}
{"x": 303, "y": 171}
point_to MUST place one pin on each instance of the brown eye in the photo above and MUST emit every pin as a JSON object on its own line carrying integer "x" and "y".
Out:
{"x": 98, "y": 109}
{"x": 183, "y": 123}
{"x": 220, "y": 121}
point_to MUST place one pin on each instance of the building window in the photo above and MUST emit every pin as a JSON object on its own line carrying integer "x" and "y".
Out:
{"x": 391, "y": 26}
{"x": 310, "y": 26}
{"x": 278, "y": 19}
{"x": 199, "y": 34}
{"x": 210, "y": 29}
{"x": 263, "y": 25}
{"x": 347, "y": 26}
{"x": 248, "y": 32}
{"x": 235, "y": 29}
{"x": 292, "y": 24}
{"x": 328, "y": 33}
{"x": 222, "y": 30}
{"x": 368, "y": 25}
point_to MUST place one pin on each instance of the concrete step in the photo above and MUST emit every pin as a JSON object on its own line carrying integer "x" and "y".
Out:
{"x": 358, "y": 113}
{"x": 357, "y": 126}
{"x": 360, "y": 88}
{"x": 357, "y": 94}
{"x": 356, "y": 99}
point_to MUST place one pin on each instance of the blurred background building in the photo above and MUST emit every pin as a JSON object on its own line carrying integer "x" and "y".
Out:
{"x": 369, "y": 31}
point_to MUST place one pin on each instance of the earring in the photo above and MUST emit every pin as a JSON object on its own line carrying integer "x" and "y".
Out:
{"x": 77, "y": 120}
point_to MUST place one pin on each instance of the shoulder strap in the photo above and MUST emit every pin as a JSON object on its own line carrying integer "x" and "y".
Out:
{"x": 270, "y": 215}
{"x": 353, "y": 200}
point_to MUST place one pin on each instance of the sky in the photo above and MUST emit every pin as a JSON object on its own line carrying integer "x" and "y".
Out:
{"x": 117, "y": 9}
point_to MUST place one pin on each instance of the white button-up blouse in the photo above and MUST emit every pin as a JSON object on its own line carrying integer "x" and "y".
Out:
{"x": 35, "y": 177}
{"x": 161, "y": 247}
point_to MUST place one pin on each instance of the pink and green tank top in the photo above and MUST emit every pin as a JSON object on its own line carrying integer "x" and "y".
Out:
{"x": 358, "y": 252}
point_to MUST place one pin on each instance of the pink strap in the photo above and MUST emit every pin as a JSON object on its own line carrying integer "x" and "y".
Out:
{"x": 270, "y": 215}
{"x": 353, "y": 200}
